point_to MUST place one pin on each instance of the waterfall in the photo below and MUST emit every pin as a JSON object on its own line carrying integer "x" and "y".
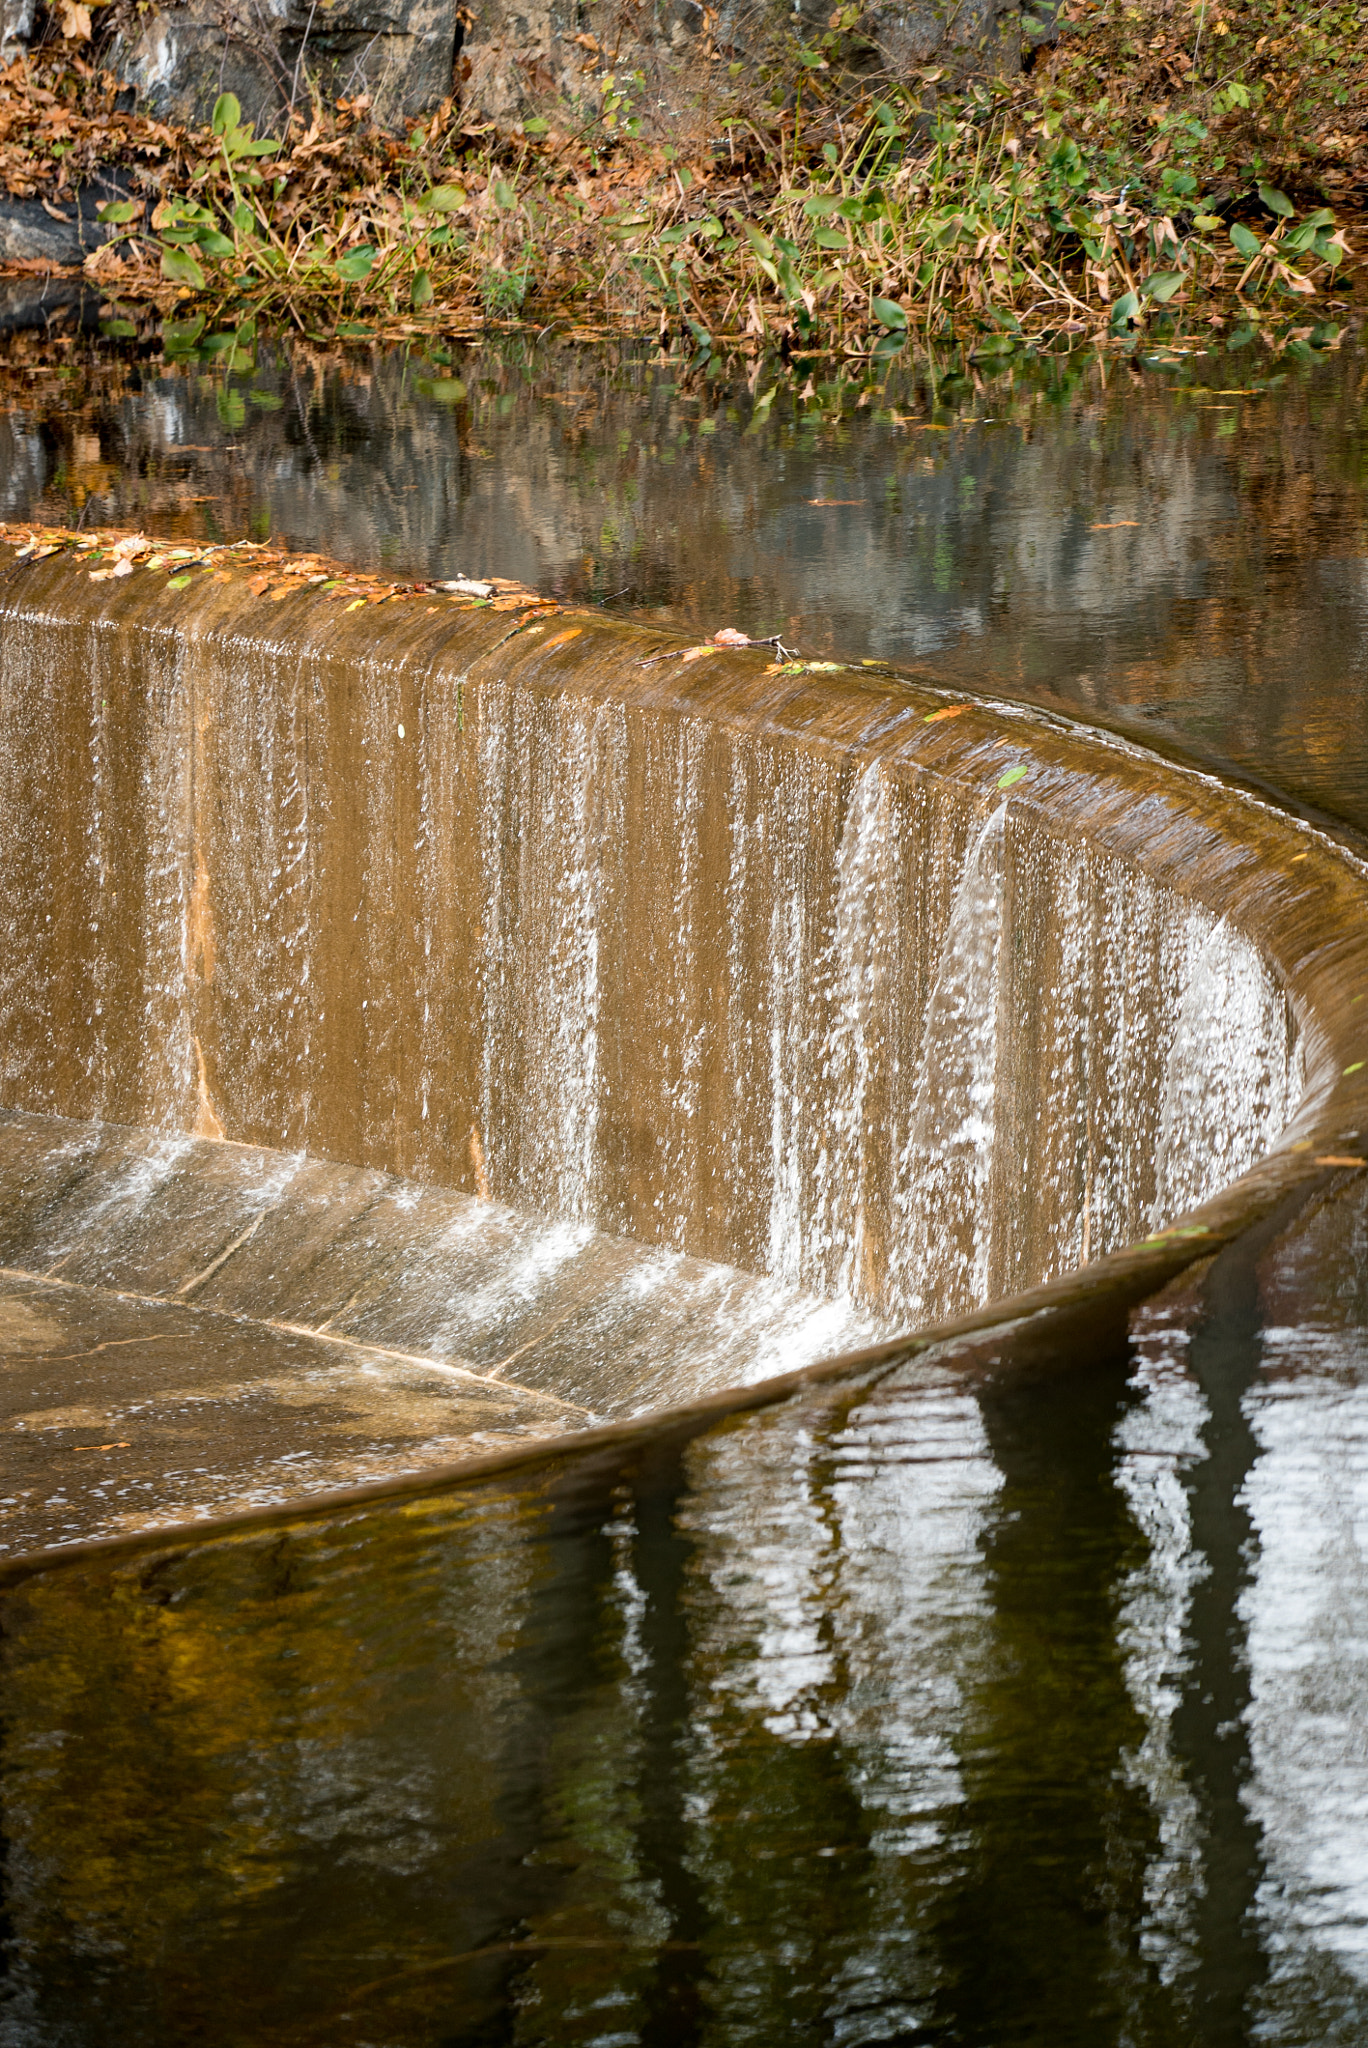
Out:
{"x": 860, "y": 925}
{"x": 945, "y": 1167}
{"x": 773, "y": 996}
{"x": 1234, "y": 1072}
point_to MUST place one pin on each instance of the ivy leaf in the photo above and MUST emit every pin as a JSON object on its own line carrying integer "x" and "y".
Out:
{"x": 178, "y": 336}
{"x": 356, "y": 265}
{"x": 180, "y": 267}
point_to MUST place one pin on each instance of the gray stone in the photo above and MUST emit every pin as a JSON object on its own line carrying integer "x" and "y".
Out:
{"x": 522, "y": 53}
{"x": 61, "y": 232}
{"x": 30, "y": 302}
{"x": 274, "y": 55}
{"x": 16, "y": 25}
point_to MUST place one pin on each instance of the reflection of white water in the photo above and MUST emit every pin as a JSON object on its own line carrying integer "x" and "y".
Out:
{"x": 845, "y": 1614}
{"x": 1155, "y": 1441}
{"x": 1307, "y": 1616}
{"x": 1302, "y": 1615}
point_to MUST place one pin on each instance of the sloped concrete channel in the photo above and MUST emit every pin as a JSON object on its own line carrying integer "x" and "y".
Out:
{"x": 427, "y": 1029}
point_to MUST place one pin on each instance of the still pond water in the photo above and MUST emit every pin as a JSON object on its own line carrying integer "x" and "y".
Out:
{"x": 903, "y": 1712}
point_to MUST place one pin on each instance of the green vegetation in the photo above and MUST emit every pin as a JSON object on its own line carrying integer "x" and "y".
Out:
{"x": 1158, "y": 163}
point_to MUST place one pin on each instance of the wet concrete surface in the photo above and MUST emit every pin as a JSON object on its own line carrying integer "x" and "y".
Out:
{"x": 189, "y": 1328}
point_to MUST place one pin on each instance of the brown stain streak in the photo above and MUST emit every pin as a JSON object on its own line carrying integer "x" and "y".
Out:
{"x": 477, "y": 1161}
{"x": 206, "y": 1123}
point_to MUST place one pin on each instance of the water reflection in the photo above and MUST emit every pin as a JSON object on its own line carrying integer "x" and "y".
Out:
{"x": 903, "y": 1712}
{"x": 909, "y": 1712}
{"x": 1177, "y": 540}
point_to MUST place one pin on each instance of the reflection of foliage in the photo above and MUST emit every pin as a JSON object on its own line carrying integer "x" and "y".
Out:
{"x": 1059, "y": 551}
{"x": 794, "y": 1733}
{"x": 229, "y": 1718}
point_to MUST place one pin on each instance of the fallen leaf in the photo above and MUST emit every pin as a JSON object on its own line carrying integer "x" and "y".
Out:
{"x": 1338, "y": 1159}
{"x": 559, "y": 639}
{"x": 75, "y": 21}
{"x": 835, "y": 501}
{"x": 950, "y": 711}
{"x": 1109, "y": 525}
{"x": 729, "y": 637}
{"x": 1013, "y": 775}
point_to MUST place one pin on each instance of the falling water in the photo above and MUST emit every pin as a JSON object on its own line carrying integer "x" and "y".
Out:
{"x": 946, "y": 1164}
{"x": 828, "y": 1028}
{"x": 797, "y": 1012}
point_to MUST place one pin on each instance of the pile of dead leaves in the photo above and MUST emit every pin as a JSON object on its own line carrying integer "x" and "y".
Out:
{"x": 63, "y": 119}
{"x": 267, "y": 572}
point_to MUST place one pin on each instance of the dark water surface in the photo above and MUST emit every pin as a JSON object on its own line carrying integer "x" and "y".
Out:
{"x": 901, "y": 1712}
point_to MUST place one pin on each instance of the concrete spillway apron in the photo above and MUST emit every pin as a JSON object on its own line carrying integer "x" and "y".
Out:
{"x": 1296, "y": 894}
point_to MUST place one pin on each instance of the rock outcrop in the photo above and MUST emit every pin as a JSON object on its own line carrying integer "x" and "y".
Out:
{"x": 509, "y": 58}
{"x": 523, "y": 52}
{"x": 398, "y": 53}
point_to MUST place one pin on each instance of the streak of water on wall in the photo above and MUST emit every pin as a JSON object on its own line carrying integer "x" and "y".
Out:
{"x": 811, "y": 1016}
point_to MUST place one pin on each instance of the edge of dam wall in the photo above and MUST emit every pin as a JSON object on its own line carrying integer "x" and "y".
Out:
{"x": 111, "y": 681}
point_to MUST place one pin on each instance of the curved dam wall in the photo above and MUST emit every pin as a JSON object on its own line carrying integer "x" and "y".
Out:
{"x": 791, "y": 971}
